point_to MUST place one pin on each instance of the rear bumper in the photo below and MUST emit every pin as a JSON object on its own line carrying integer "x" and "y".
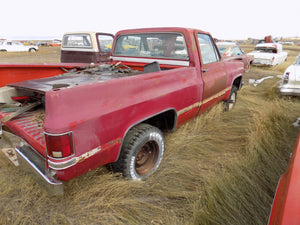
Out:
{"x": 35, "y": 165}
{"x": 290, "y": 91}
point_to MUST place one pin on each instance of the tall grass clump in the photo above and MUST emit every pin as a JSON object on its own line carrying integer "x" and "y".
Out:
{"x": 244, "y": 192}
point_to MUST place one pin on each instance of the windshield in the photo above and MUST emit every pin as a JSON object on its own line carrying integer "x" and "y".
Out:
{"x": 266, "y": 49}
{"x": 155, "y": 45}
{"x": 222, "y": 50}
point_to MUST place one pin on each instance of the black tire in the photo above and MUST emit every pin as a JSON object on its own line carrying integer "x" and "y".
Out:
{"x": 32, "y": 50}
{"x": 141, "y": 152}
{"x": 231, "y": 100}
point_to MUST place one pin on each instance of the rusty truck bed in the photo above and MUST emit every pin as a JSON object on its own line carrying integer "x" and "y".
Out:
{"x": 29, "y": 126}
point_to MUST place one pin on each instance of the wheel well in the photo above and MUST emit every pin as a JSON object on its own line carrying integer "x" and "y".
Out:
{"x": 165, "y": 121}
{"x": 237, "y": 82}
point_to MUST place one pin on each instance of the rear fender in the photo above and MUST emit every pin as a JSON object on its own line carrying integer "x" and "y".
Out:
{"x": 169, "y": 114}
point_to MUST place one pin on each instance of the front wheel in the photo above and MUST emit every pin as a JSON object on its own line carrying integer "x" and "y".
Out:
{"x": 231, "y": 100}
{"x": 247, "y": 68}
{"x": 141, "y": 153}
{"x": 32, "y": 50}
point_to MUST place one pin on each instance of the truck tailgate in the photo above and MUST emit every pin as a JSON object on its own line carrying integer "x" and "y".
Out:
{"x": 29, "y": 126}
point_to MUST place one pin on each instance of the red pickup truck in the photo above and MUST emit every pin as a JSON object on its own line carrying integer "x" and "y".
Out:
{"x": 116, "y": 113}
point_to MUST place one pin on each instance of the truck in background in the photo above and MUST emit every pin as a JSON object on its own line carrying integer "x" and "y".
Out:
{"x": 268, "y": 54}
{"x": 86, "y": 47}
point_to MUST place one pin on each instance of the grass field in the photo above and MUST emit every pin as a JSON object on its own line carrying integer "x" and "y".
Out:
{"x": 220, "y": 168}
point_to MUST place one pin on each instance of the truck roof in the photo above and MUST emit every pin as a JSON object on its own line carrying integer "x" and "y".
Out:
{"x": 160, "y": 29}
{"x": 269, "y": 45}
{"x": 84, "y": 32}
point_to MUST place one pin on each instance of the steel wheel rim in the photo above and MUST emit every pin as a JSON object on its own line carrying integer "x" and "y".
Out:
{"x": 146, "y": 157}
{"x": 232, "y": 101}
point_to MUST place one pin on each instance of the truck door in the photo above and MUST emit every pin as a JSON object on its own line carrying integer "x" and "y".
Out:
{"x": 212, "y": 70}
{"x": 105, "y": 44}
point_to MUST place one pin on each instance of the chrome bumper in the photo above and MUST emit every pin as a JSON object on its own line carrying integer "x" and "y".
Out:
{"x": 290, "y": 91}
{"x": 35, "y": 165}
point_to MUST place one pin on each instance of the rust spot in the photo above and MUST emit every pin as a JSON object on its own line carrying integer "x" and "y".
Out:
{"x": 80, "y": 159}
{"x": 39, "y": 118}
{"x": 98, "y": 149}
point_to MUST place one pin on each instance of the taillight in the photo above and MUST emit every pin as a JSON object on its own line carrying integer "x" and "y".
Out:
{"x": 59, "y": 146}
{"x": 286, "y": 78}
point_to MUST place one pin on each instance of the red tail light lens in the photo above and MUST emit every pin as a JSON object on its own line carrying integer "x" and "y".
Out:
{"x": 21, "y": 98}
{"x": 59, "y": 146}
{"x": 286, "y": 78}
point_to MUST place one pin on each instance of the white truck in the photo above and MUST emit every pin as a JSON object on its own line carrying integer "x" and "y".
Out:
{"x": 269, "y": 54}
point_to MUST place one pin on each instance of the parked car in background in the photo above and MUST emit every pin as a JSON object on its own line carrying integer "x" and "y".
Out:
{"x": 286, "y": 208}
{"x": 231, "y": 51}
{"x": 291, "y": 79}
{"x": 86, "y": 47}
{"x": 55, "y": 43}
{"x": 269, "y": 54}
{"x": 12, "y": 46}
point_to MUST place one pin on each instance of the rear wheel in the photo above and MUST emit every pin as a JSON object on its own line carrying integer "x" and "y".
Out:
{"x": 32, "y": 50}
{"x": 141, "y": 153}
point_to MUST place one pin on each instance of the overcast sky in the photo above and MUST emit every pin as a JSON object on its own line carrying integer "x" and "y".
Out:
{"x": 224, "y": 19}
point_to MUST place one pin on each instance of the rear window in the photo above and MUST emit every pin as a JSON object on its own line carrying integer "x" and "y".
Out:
{"x": 77, "y": 41}
{"x": 152, "y": 45}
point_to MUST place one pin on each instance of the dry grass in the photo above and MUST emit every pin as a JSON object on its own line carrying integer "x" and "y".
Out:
{"x": 221, "y": 168}
{"x": 243, "y": 195}
{"x": 43, "y": 55}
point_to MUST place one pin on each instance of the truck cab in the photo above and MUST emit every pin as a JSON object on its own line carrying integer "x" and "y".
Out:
{"x": 86, "y": 47}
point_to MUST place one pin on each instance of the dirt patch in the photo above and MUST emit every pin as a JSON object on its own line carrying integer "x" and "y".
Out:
{"x": 43, "y": 55}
